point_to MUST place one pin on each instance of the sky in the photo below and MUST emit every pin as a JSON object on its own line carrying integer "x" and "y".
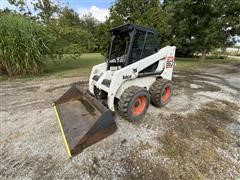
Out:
{"x": 98, "y": 8}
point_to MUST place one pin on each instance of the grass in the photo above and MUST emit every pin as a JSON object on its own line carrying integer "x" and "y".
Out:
{"x": 73, "y": 65}
{"x": 23, "y": 45}
{"x": 70, "y": 65}
{"x": 81, "y": 65}
{"x": 195, "y": 63}
{"x": 67, "y": 66}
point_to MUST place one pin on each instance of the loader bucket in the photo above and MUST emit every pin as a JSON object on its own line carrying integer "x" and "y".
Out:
{"x": 83, "y": 120}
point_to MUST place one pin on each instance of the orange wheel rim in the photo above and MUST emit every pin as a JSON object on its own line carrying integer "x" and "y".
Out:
{"x": 166, "y": 94}
{"x": 139, "y": 105}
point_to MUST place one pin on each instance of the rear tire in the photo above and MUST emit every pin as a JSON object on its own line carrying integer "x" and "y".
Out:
{"x": 161, "y": 92}
{"x": 133, "y": 103}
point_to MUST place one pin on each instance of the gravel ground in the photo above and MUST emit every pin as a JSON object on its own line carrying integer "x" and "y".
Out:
{"x": 196, "y": 136}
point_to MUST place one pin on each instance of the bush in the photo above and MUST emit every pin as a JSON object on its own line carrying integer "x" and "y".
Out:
{"x": 23, "y": 45}
{"x": 74, "y": 40}
{"x": 71, "y": 40}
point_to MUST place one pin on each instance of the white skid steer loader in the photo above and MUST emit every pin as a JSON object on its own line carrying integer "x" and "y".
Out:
{"x": 134, "y": 74}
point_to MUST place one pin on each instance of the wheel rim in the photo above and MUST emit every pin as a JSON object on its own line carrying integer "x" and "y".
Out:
{"x": 139, "y": 105}
{"x": 166, "y": 94}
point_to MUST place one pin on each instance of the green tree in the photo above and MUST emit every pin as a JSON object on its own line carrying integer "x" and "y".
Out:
{"x": 74, "y": 40}
{"x": 147, "y": 13}
{"x": 103, "y": 36}
{"x": 89, "y": 23}
{"x": 22, "y": 6}
{"x": 68, "y": 17}
{"x": 47, "y": 10}
{"x": 71, "y": 37}
{"x": 200, "y": 26}
{"x": 143, "y": 12}
{"x": 5, "y": 11}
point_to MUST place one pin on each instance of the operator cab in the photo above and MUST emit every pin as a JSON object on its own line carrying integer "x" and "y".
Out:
{"x": 129, "y": 44}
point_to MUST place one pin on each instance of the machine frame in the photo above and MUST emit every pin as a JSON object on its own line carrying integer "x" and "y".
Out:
{"x": 129, "y": 75}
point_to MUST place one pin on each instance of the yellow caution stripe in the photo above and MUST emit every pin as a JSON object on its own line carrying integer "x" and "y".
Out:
{"x": 63, "y": 135}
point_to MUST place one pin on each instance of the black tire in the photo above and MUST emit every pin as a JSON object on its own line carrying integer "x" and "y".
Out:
{"x": 161, "y": 92}
{"x": 133, "y": 103}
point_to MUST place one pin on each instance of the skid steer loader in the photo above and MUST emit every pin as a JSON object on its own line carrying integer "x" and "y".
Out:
{"x": 135, "y": 73}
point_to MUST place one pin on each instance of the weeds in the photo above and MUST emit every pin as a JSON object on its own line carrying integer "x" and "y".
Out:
{"x": 23, "y": 45}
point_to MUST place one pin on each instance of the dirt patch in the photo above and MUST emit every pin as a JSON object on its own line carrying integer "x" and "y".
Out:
{"x": 54, "y": 88}
{"x": 38, "y": 167}
{"x": 184, "y": 82}
{"x": 138, "y": 167}
{"x": 82, "y": 83}
{"x": 196, "y": 136}
{"x": 207, "y": 121}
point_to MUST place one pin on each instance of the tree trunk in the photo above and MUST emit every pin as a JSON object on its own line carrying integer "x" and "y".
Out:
{"x": 204, "y": 53}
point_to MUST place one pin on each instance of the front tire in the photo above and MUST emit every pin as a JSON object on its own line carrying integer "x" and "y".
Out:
{"x": 133, "y": 103}
{"x": 161, "y": 92}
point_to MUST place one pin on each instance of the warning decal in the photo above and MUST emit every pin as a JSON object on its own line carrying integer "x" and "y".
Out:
{"x": 170, "y": 61}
